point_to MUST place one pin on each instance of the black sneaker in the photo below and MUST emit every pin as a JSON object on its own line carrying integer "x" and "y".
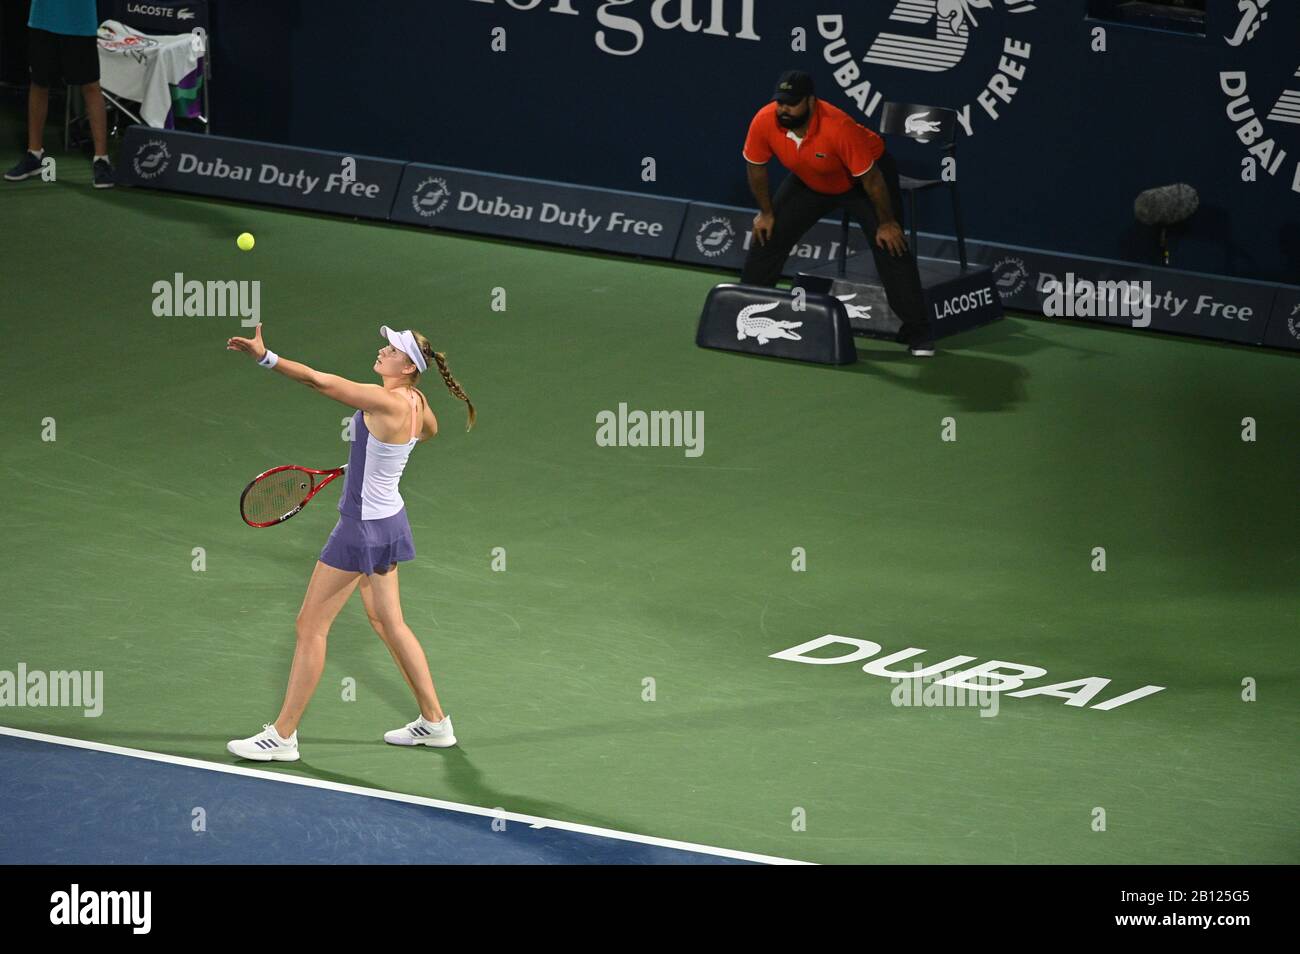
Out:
{"x": 919, "y": 345}
{"x": 103, "y": 174}
{"x": 27, "y": 167}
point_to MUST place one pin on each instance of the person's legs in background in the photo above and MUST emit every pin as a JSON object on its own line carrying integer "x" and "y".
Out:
{"x": 38, "y": 109}
{"x": 75, "y": 59}
{"x": 93, "y": 97}
{"x": 43, "y": 61}
{"x": 898, "y": 273}
{"x": 80, "y": 60}
{"x": 796, "y": 209}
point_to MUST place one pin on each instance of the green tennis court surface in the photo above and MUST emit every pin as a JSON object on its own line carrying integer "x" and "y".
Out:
{"x": 629, "y": 564}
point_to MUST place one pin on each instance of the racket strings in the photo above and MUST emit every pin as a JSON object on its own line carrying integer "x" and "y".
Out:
{"x": 276, "y": 494}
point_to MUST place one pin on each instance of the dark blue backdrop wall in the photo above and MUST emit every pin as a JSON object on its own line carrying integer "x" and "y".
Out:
{"x": 585, "y": 90}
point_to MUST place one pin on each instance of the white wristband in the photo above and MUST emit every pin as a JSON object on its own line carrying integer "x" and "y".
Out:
{"x": 269, "y": 359}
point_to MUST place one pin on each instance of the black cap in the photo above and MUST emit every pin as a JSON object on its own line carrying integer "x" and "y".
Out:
{"x": 792, "y": 87}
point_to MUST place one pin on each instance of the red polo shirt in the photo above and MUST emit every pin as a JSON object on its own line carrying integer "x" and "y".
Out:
{"x": 834, "y": 151}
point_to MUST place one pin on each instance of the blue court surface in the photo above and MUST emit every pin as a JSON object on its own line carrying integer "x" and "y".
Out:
{"x": 63, "y": 801}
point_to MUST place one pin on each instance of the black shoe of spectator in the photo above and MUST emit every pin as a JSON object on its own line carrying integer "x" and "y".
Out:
{"x": 27, "y": 167}
{"x": 103, "y": 174}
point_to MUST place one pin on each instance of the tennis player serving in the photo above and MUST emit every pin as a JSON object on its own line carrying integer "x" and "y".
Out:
{"x": 372, "y": 535}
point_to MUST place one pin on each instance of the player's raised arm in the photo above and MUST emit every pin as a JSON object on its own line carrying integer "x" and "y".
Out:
{"x": 364, "y": 397}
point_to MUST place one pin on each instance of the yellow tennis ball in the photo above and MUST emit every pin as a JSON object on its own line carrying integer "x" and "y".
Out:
{"x": 245, "y": 241}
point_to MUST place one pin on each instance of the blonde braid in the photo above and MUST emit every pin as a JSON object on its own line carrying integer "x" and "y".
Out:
{"x": 453, "y": 387}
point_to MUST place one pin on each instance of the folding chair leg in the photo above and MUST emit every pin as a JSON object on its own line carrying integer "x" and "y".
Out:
{"x": 911, "y": 214}
{"x": 961, "y": 230}
{"x": 844, "y": 244}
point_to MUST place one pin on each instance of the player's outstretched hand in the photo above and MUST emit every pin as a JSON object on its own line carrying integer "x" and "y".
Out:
{"x": 251, "y": 345}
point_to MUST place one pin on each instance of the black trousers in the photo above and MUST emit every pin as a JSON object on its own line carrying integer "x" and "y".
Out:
{"x": 797, "y": 208}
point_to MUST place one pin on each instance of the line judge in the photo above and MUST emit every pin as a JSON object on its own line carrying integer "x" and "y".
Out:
{"x": 834, "y": 163}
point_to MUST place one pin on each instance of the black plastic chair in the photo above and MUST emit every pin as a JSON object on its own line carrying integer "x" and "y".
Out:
{"x": 922, "y": 124}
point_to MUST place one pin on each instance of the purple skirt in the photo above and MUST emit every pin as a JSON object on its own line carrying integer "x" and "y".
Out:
{"x": 367, "y": 546}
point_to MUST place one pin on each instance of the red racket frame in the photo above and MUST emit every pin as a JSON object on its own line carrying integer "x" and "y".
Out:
{"x": 332, "y": 474}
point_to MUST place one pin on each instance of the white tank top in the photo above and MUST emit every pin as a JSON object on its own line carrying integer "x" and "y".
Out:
{"x": 370, "y": 490}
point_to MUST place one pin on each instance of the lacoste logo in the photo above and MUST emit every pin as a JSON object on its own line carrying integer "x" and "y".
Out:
{"x": 917, "y": 125}
{"x": 861, "y": 312}
{"x": 749, "y": 325}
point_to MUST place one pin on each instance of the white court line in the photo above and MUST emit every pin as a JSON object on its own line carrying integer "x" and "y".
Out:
{"x": 532, "y": 820}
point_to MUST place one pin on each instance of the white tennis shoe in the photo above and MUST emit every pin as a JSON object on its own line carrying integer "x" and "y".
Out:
{"x": 423, "y": 732}
{"x": 267, "y": 746}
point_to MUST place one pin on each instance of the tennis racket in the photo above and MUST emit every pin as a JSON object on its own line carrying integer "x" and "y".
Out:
{"x": 279, "y": 493}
